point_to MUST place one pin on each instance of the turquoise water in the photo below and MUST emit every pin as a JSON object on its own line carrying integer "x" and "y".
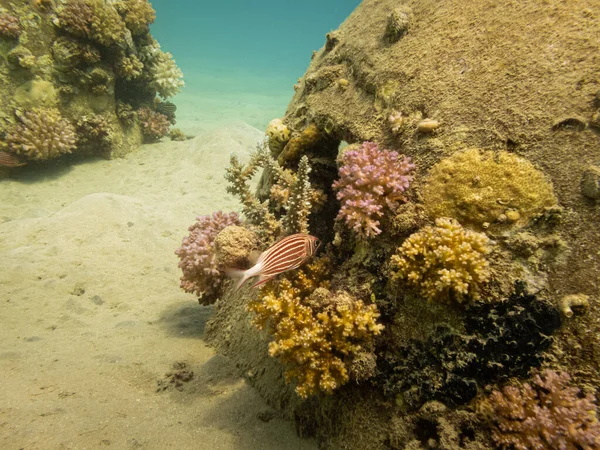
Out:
{"x": 241, "y": 59}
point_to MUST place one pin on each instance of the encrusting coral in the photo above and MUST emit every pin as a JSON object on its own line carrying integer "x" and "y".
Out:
{"x": 547, "y": 413}
{"x": 444, "y": 261}
{"x": 317, "y": 333}
{"x": 370, "y": 181}
{"x": 197, "y": 256}
{"x": 487, "y": 189}
{"x": 41, "y": 134}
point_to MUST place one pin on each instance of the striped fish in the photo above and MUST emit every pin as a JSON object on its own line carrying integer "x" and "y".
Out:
{"x": 10, "y": 160}
{"x": 287, "y": 254}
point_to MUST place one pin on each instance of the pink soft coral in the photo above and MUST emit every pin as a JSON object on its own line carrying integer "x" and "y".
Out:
{"x": 197, "y": 255}
{"x": 546, "y": 414}
{"x": 371, "y": 180}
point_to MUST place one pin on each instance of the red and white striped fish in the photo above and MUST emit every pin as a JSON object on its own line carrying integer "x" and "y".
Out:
{"x": 10, "y": 160}
{"x": 287, "y": 254}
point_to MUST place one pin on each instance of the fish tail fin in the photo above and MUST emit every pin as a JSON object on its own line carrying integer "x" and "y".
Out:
{"x": 238, "y": 276}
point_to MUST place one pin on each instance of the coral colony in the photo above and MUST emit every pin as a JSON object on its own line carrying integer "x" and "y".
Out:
{"x": 372, "y": 182}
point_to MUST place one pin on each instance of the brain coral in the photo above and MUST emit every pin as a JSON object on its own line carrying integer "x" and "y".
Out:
{"x": 42, "y": 134}
{"x": 444, "y": 262}
{"x": 482, "y": 189}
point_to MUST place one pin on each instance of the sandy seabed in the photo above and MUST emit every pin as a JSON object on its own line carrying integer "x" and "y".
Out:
{"x": 92, "y": 319}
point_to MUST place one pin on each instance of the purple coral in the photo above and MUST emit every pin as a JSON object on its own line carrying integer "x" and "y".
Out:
{"x": 9, "y": 26}
{"x": 41, "y": 134}
{"x": 197, "y": 255}
{"x": 371, "y": 180}
{"x": 154, "y": 125}
{"x": 547, "y": 414}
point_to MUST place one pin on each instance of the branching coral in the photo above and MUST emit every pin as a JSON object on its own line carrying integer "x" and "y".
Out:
{"x": 371, "y": 180}
{"x": 137, "y": 14}
{"x": 167, "y": 78}
{"x": 129, "y": 67}
{"x": 292, "y": 190}
{"x": 546, "y": 414}
{"x": 316, "y": 333}
{"x": 495, "y": 190}
{"x": 42, "y": 134}
{"x": 93, "y": 19}
{"x": 9, "y": 26}
{"x": 154, "y": 125}
{"x": 299, "y": 200}
{"x": 444, "y": 262}
{"x": 197, "y": 255}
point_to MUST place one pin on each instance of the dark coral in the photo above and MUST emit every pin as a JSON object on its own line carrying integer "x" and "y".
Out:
{"x": 503, "y": 340}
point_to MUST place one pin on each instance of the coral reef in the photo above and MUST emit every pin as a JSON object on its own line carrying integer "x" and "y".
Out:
{"x": 197, "y": 256}
{"x": 316, "y": 332}
{"x": 546, "y": 413}
{"x": 41, "y": 134}
{"x": 154, "y": 125}
{"x": 487, "y": 189}
{"x": 372, "y": 181}
{"x": 445, "y": 262}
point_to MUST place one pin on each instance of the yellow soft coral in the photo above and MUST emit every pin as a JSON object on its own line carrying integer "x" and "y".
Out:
{"x": 445, "y": 261}
{"x": 315, "y": 331}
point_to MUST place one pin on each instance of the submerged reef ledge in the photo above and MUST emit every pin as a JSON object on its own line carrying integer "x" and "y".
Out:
{"x": 445, "y": 155}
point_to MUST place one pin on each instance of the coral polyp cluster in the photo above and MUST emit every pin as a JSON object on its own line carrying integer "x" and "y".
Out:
{"x": 197, "y": 256}
{"x": 317, "y": 333}
{"x": 371, "y": 182}
{"x": 42, "y": 134}
{"x": 547, "y": 413}
{"x": 444, "y": 261}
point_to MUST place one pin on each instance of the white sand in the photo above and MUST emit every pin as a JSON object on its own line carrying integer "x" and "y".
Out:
{"x": 92, "y": 317}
